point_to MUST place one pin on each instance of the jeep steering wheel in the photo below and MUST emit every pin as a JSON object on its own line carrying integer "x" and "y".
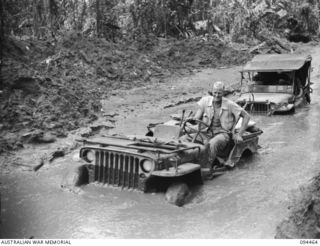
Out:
{"x": 197, "y": 133}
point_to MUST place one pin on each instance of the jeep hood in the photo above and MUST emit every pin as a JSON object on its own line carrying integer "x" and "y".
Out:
{"x": 142, "y": 145}
{"x": 276, "y": 98}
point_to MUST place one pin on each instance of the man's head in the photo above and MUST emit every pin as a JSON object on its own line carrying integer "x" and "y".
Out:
{"x": 217, "y": 91}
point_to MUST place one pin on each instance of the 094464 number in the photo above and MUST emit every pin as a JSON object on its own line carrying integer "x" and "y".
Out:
{"x": 310, "y": 241}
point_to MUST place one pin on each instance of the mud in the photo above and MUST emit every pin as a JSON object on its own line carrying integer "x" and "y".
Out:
{"x": 247, "y": 202}
{"x": 303, "y": 219}
{"x": 56, "y": 86}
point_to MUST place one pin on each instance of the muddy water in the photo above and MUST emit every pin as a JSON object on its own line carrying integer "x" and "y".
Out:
{"x": 247, "y": 202}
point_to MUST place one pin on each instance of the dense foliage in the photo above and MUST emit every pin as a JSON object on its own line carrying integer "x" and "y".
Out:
{"x": 178, "y": 18}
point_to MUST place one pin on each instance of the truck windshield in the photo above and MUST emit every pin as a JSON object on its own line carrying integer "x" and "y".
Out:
{"x": 269, "y": 82}
{"x": 272, "y": 78}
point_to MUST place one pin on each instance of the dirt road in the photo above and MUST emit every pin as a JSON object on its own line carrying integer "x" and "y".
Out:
{"x": 247, "y": 202}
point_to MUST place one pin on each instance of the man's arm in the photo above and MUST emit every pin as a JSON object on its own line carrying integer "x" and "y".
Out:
{"x": 198, "y": 115}
{"x": 246, "y": 117}
{"x": 245, "y": 121}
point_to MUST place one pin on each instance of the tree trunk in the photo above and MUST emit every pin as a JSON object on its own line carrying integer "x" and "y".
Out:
{"x": 1, "y": 42}
{"x": 98, "y": 18}
{"x": 50, "y": 8}
{"x": 75, "y": 15}
{"x": 36, "y": 18}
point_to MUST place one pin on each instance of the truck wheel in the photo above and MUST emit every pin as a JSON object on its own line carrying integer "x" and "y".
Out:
{"x": 178, "y": 194}
{"x": 75, "y": 177}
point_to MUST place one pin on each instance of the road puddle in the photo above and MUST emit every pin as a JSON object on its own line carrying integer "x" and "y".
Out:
{"x": 247, "y": 202}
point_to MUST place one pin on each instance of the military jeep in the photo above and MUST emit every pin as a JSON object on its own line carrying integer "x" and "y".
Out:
{"x": 140, "y": 162}
{"x": 276, "y": 83}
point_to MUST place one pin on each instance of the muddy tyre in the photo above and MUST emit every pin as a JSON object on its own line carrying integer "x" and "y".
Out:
{"x": 178, "y": 194}
{"x": 75, "y": 177}
{"x": 293, "y": 110}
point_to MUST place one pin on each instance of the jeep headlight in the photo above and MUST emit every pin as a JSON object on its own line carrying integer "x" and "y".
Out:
{"x": 147, "y": 166}
{"x": 89, "y": 155}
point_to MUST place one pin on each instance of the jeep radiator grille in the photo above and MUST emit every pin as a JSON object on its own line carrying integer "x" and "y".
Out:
{"x": 258, "y": 108}
{"x": 116, "y": 169}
